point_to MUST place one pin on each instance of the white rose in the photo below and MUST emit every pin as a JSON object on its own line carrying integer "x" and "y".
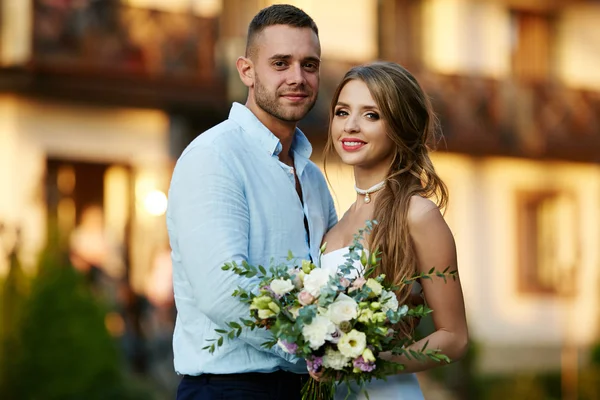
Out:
{"x": 335, "y": 360}
{"x": 315, "y": 280}
{"x": 281, "y": 286}
{"x": 319, "y": 330}
{"x": 342, "y": 309}
{"x": 389, "y": 301}
{"x": 353, "y": 343}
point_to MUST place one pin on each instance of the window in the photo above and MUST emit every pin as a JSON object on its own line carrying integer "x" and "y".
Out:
{"x": 400, "y": 31}
{"x": 532, "y": 41}
{"x": 547, "y": 243}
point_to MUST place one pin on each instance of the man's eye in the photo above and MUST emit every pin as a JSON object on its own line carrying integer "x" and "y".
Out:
{"x": 279, "y": 64}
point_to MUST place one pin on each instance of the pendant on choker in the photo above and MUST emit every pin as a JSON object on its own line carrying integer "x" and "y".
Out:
{"x": 367, "y": 193}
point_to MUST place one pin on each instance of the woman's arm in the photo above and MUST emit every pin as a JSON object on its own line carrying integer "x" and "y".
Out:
{"x": 434, "y": 247}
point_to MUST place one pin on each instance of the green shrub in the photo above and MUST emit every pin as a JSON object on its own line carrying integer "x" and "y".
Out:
{"x": 63, "y": 350}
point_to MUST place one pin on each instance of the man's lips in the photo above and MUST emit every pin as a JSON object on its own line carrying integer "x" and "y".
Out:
{"x": 295, "y": 96}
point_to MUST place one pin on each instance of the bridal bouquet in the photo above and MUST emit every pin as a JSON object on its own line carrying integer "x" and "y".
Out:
{"x": 340, "y": 325}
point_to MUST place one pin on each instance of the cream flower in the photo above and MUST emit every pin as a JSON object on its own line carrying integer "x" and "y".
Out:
{"x": 307, "y": 266}
{"x": 274, "y": 307}
{"x": 281, "y": 286}
{"x": 294, "y": 311}
{"x": 319, "y": 330}
{"x": 335, "y": 360}
{"x": 375, "y": 286}
{"x": 344, "y": 308}
{"x": 265, "y": 314}
{"x": 365, "y": 316}
{"x": 368, "y": 356}
{"x": 315, "y": 280}
{"x": 260, "y": 302}
{"x": 389, "y": 301}
{"x": 379, "y": 317}
{"x": 353, "y": 343}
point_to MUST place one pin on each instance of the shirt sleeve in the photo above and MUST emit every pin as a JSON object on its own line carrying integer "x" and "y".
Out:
{"x": 212, "y": 222}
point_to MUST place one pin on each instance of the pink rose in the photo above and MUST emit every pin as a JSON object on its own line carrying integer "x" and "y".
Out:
{"x": 305, "y": 298}
{"x": 359, "y": 282}
{"x": 344, "y": 282}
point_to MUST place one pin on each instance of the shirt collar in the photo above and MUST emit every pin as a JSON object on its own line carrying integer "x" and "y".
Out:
{"x": 250, "y": 124}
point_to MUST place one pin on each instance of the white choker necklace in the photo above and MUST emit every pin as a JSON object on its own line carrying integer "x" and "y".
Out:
{"x": 370, "y": 191}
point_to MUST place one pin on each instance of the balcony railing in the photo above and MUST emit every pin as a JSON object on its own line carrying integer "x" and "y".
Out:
{"x": 505, "y": 117}
{"x": 106, "y": 37}
{"x": 109, "y": 52}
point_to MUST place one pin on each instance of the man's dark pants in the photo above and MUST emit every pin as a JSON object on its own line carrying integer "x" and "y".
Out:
{"x": 278, "y": 385}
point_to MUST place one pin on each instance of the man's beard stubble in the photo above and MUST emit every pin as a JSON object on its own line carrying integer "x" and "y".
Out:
{"x": 269, "y": 103}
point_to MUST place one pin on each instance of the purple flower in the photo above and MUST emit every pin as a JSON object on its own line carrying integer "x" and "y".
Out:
{"x": 364, "y": 366}
{"x": 270, "y": 291}
{"x": 314, "y": 363}
{"x": 288, "y": 347}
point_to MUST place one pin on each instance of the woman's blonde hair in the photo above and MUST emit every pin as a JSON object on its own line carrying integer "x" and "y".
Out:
{"x": 412, "y": 126}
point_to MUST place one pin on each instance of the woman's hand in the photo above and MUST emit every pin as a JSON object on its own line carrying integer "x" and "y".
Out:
{"x": 386, "y": 356}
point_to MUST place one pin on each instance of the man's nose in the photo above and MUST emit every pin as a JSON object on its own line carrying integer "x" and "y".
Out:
{"x": 296, "y": 75}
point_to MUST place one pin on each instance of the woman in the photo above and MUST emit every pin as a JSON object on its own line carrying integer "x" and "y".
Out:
{"x": 381, "y": 122}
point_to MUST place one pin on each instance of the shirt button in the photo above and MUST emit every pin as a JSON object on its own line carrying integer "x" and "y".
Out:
{"x": 291, "y": 171}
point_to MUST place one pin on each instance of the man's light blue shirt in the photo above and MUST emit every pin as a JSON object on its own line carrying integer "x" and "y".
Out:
{"x": 231, "y": 199}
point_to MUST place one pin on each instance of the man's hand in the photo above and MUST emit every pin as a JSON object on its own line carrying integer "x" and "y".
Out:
{"x": 317, "y": 376}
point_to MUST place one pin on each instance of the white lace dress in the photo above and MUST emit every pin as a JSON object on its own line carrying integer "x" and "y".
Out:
{"x": 397, "y": 387}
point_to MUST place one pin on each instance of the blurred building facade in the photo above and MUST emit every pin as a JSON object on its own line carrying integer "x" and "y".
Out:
{"x": 95, "y": 97}
{"x": 98, "y": 98}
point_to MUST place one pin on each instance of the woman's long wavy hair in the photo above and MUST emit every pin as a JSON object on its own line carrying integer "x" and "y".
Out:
{"x": 413, "y": 127}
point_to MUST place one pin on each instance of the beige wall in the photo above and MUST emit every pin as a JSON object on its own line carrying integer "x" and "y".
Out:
{"x": 579, "y": 46}
{"x": 15, "y": 32}
{"x": 348, "y": 29}
{"x": 204, "y": 8}
{"x": 32, "y": 131}
{"x": 464, "y": 36}
{"x": 22, "y": 167}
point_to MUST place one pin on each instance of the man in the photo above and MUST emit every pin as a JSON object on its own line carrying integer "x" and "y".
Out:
{"x": 246, "y": 190}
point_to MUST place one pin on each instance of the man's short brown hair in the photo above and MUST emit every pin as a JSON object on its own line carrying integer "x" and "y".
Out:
{"x": 277, "y": 14}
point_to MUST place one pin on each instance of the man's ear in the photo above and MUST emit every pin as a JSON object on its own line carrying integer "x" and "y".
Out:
{"x": 245, "y": 68}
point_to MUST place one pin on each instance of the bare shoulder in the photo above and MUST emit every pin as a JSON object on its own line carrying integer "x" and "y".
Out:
{"x": 420, "y": 210}
{"x": 426, "y": 223}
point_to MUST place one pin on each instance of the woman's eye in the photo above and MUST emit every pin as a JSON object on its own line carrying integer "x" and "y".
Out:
{"x": 372, "y": 115}
{"x": 341, "y": 113}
